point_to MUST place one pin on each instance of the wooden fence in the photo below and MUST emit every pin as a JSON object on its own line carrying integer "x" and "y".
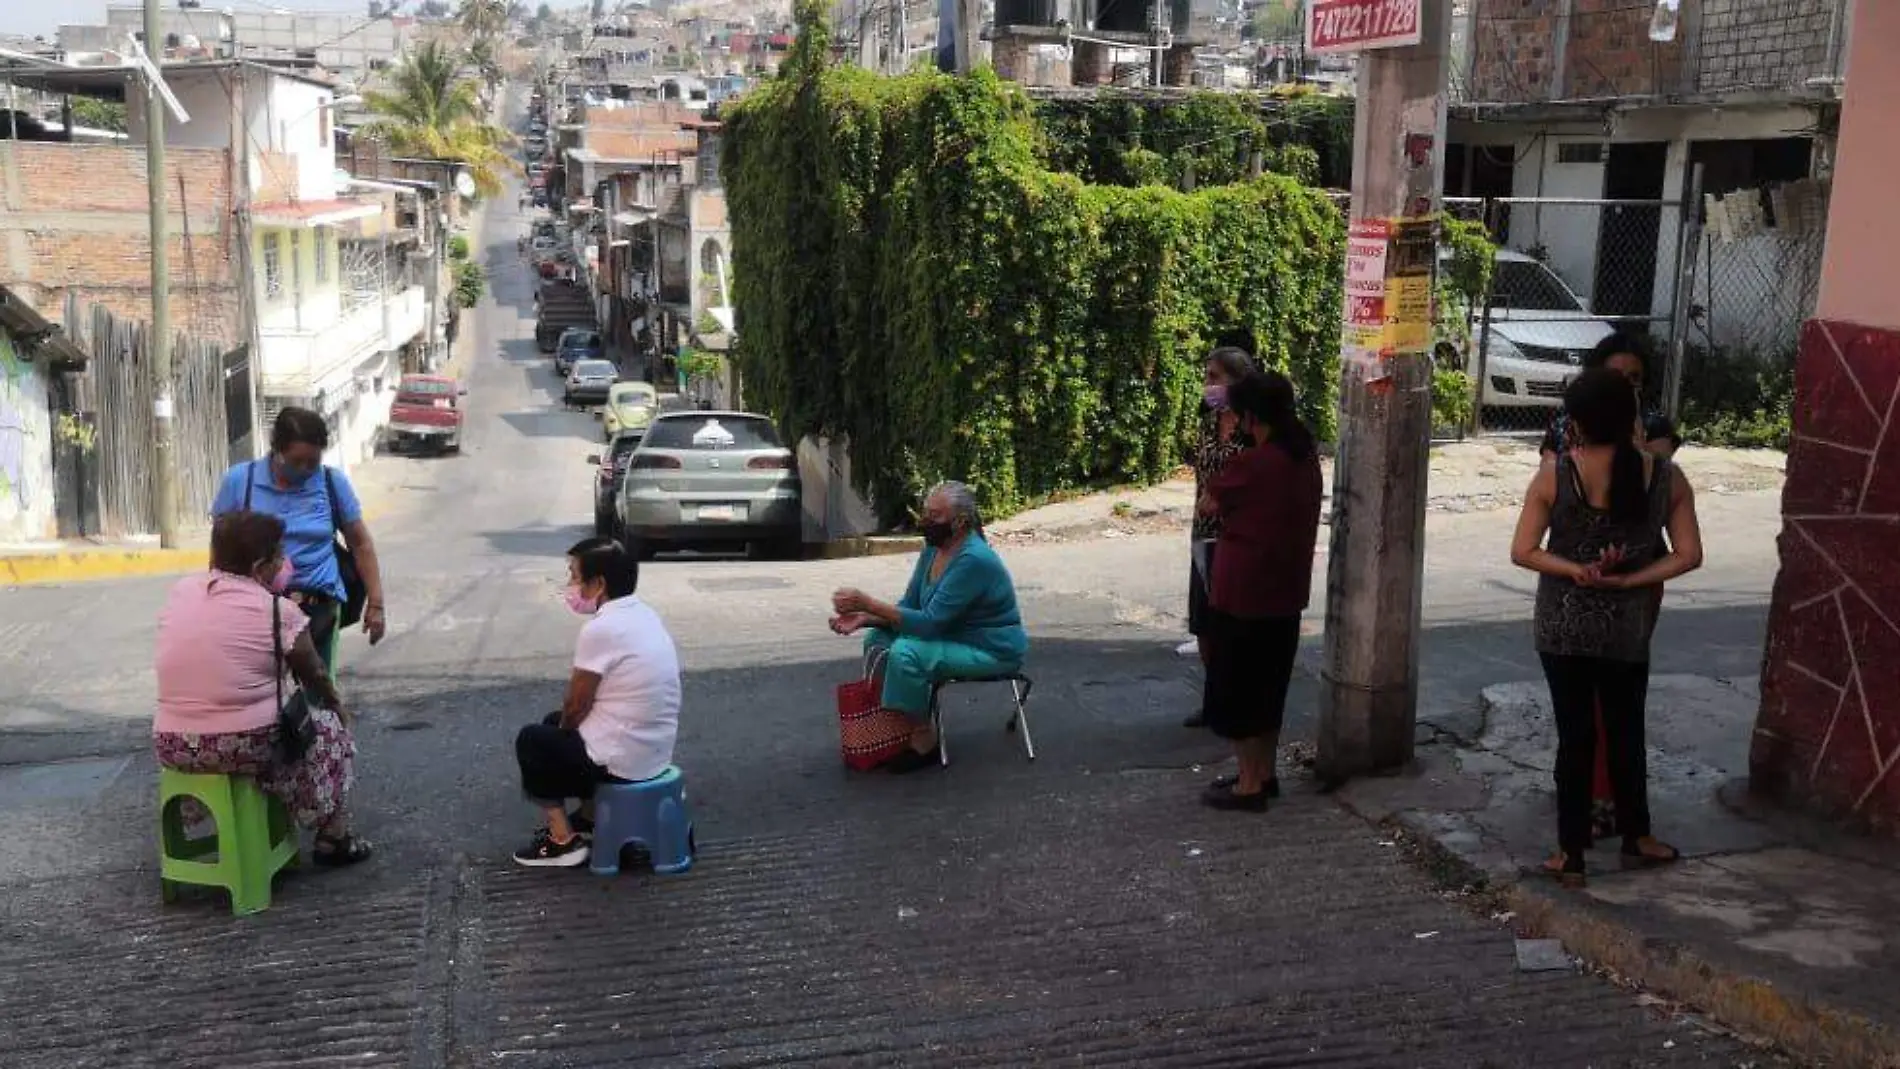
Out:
{"x": 122, "y": 393}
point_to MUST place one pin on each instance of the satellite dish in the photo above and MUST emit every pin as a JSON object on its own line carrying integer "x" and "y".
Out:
{"x": 464, "y": 184}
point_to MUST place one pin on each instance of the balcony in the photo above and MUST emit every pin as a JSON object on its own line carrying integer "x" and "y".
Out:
{"x": 305, "y": 363}
{"x": 407, "y": 317}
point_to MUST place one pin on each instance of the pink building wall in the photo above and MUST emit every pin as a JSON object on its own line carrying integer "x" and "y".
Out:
{"x": 1828, "y": 735}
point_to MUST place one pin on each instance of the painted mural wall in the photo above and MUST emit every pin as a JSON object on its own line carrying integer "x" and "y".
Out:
{"x": 26, "y": 450}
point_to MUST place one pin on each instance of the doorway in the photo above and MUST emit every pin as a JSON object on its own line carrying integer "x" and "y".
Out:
{"x": 1627, "y": 235}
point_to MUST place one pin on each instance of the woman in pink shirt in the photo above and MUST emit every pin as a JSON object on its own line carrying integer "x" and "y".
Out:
{"x": 218, "y": 675}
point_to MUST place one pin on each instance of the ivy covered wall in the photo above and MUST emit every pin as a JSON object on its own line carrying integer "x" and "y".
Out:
{"x": 910, "y": 271}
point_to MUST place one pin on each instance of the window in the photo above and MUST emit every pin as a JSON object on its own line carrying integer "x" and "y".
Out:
{"x": 321, "y": 255}
{"x": 1580, "y": 152}
{"x": 1526, "y": 285}
{"x": 273, "y": 268}
{"x": 709, "y": 432}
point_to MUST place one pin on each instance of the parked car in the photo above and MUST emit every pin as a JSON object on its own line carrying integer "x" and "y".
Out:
{"x": 540, "y": 198}
{"x": 589, "y": 383}
{"x": 711, "y": 478}
{"x": 630, "y": 406}
{"x": 610, "y": 470}
{"x": 1540, "y": 332}
{"x": 426, "y": 413}
{"x": 576, "y": 344}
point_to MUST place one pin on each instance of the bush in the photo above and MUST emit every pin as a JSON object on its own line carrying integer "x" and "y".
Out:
{"x": 1737, "y": 397}
{"x": 910, "y": 275}
{"x": 470, "y": 280}
{"x": 458, "y": 247}
{"x": 1452, "y": 399}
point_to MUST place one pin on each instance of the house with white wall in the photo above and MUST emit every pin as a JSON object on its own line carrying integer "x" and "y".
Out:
{"x": 1565, "y": 102}
{"x": 333, "y": 305}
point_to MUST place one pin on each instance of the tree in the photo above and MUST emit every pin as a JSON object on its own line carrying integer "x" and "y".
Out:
{"x": 433, "y": 112}
{"x": 599, "y": 8}
{"x": 483, "y": 18}
{"x": 99, "y": 114}
{"x": 1279, "y": 20}
{"x": 482, "y": 57}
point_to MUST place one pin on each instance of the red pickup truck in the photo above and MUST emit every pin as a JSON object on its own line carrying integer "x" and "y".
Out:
{"x": 427, "y": 413}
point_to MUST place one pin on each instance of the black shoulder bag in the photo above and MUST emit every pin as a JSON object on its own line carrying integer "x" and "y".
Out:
{"x": 295, "y": 730}
{"x": 355, "y": 594}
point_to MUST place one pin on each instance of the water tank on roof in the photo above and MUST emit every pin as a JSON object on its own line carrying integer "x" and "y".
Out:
{"x": 1131, "y": 16}
{"x": 1026, "y": 12}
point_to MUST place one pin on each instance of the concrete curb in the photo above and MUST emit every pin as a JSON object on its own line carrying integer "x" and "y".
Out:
{"x": 1804, "y": 1027}
{"x": 866, "y": 546}
{"x": 86, "y": 565}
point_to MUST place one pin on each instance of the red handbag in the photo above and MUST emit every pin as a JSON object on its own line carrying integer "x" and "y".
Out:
{"x": 868, "y": 733}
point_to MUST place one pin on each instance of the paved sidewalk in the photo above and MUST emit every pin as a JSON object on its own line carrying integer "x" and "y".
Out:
{"x": 1776, "y": 925}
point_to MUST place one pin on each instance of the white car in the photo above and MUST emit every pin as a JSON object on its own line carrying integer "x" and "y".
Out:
{"x": 1540, "y": 333}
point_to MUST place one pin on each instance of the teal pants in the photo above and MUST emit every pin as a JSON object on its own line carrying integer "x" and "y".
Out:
{"x": 916, "y": 665}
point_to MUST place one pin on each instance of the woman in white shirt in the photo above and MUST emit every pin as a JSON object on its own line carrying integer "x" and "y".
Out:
{"x": 622, "y": 709}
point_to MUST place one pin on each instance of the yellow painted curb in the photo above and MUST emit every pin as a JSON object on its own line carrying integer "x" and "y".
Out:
{"x": 870, "y": 546}
{"x": 82, "y": 565}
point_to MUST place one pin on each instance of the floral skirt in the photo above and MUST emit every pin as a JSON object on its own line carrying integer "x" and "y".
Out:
{"x": 315, "y": 789}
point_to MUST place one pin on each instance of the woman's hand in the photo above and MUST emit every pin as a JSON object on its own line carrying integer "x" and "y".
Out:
{"x": 851, "y": 623}
{"x": 848, "y": 601}
{"x": 375, "y": 623}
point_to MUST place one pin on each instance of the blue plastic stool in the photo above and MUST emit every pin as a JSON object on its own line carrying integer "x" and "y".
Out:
{"x": 653, "y": 813}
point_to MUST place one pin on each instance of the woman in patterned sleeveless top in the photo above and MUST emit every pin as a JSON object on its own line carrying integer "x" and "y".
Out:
{"x": 1605, "y": 506}
{"x": 1219, "y": 439}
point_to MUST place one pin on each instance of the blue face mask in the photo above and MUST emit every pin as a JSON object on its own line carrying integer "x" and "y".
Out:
{"x": 291, "y": 474}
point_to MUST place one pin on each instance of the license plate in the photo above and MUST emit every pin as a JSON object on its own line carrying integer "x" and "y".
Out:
{"x": 718, "y": 512}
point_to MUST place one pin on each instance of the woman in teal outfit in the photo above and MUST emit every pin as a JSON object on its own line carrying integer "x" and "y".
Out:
{"x": 956, "y": 620}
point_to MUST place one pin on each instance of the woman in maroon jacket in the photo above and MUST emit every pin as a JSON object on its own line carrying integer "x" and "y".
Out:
{"x": 1268, "y": 500}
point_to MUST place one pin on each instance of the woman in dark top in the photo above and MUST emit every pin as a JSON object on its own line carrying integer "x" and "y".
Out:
{"x": 1267, "y": 498}
{"x": 1605, "y": 506}
{"x": 1629, "y": 356}
{"x": 1219, "y": 439}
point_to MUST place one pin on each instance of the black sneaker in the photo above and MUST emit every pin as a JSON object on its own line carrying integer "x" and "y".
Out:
{"x": 545, "y": 853}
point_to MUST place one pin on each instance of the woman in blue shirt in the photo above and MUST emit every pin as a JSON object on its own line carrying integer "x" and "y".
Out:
{"x": 956, "y": 620}
{"x": 316, "y": 503}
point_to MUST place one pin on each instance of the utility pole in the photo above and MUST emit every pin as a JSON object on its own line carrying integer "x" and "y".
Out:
{"x": 1375, "y": 574}
{"x": 164, "y": 430}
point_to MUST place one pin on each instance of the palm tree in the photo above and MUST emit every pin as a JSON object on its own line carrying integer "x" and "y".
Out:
{"x": 432, "y": 111}
{"x": 483, "y": 18}
{"x": 482, "y": 56}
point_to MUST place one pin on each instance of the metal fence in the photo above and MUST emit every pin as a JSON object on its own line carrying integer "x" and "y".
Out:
{"x": 1719, "y": 288}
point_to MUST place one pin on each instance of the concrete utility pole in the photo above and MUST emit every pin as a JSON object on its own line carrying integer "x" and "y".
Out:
{"x": 164, "y": 432}
{"x": 1376, "y": 570}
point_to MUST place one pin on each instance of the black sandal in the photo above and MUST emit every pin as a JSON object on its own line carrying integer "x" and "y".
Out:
{"x": 348, "y": 850}
{"x": 1634, "y": 857}
{"x": 909, "y": 760}
{"x": 1272, "y": 786}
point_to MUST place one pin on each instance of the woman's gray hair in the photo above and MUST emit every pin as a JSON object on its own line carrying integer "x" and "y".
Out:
{"x": 962, "y": 502}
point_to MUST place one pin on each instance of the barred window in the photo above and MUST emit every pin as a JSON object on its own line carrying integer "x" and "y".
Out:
{"x": 322, "y": 255}
{"x": 273, "y": 268}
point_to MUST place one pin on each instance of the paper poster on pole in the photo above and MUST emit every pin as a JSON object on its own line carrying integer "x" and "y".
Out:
{"x": 1357, "y": 25}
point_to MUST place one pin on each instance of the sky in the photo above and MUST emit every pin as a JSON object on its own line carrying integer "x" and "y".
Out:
{"x": 31, "y": 17}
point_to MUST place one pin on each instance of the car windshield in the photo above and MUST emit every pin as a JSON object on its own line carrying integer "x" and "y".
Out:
{"x": 424, "y": 386}
{"x": 1525, "y": 285}
{"x": 713, "y": 432}
{"x": 594, "y": 369}
{"x": 580, "y": 341}
{"x": 633, "y": 393}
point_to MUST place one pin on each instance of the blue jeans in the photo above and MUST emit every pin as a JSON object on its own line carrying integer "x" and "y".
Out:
{"x": 915, "y": 666}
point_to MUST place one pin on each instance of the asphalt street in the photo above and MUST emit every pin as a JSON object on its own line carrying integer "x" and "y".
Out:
{"x": 1080, "y": 910}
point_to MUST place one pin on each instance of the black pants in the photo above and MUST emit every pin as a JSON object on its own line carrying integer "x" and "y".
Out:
{"x": 1249, "y": 668}
{"x": 554, "y": 764}
{"x": 1579, "y": 686}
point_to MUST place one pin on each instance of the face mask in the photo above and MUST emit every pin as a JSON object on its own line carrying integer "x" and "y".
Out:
{"x": 578, "y": 601}
{"x": 285, "y": 572}
{"x": 937, "y": 535}
{"x": 1215, "y": 396}
{"x": 293, "y": 475}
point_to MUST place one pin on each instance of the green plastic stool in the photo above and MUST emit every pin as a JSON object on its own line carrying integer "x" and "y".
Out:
{"x": 255, "y": 838}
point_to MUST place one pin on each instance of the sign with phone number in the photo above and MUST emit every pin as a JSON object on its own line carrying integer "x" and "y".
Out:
{"x": 1355, "y": 25}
